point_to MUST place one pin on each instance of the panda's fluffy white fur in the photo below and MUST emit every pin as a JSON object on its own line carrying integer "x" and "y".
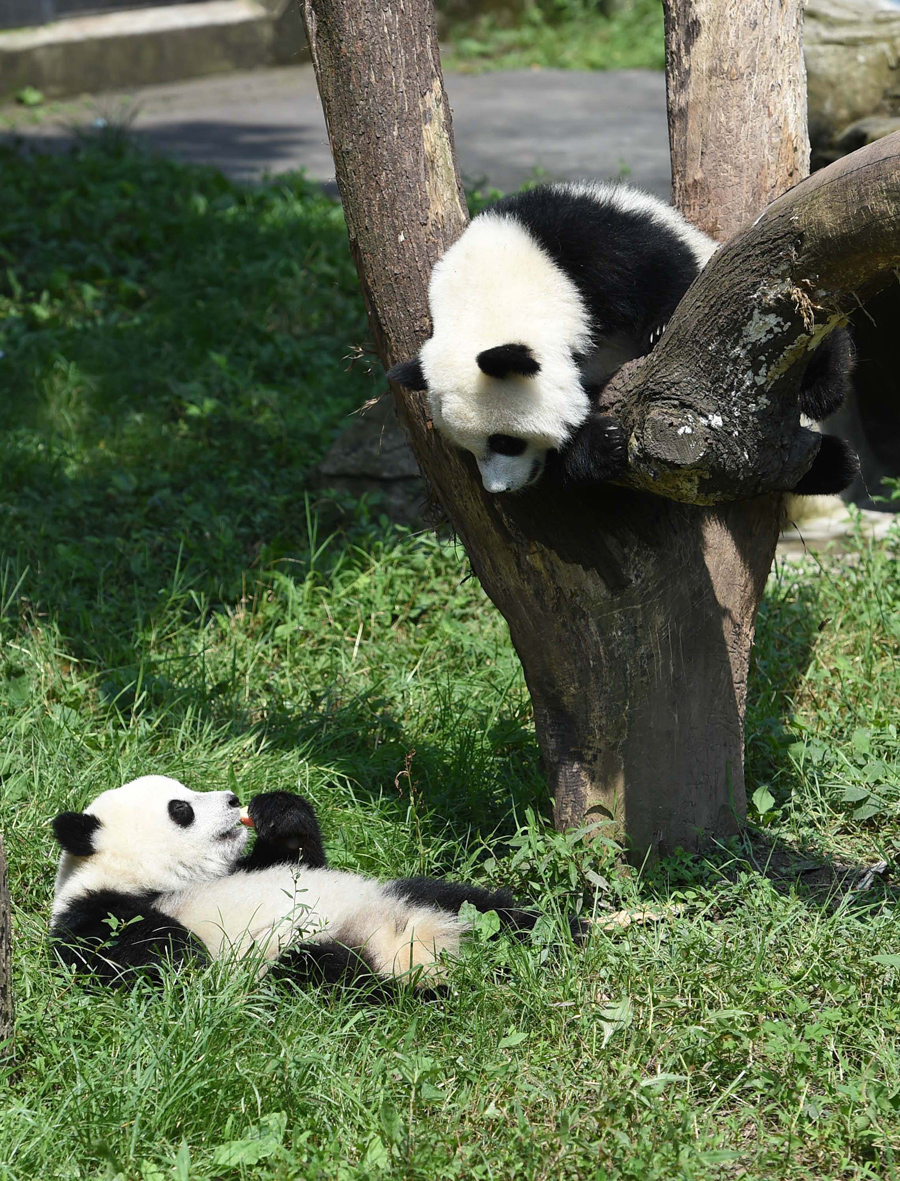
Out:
{"x": 153, "y": 872}
{"x": 543, "y": 297}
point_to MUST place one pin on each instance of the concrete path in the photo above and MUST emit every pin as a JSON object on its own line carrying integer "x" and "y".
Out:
{"x": 507, "y": 125}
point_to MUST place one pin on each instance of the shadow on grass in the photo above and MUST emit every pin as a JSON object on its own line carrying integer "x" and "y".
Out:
{"x": 457, "y": 773}
{"x": 806, "y": 871}
{"x": 789, "y": 621}
{"x": 171, "y": 367}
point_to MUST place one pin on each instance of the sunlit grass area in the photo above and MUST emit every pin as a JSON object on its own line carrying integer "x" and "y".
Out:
{"x": 175, "y": 597}
{"x": 562, "y": 35}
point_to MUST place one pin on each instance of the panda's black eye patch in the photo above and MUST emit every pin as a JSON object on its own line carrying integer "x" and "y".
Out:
{"x": 181, "y": 812}
{"x": 506, "y": 359}
{"x": 506, "y": 445}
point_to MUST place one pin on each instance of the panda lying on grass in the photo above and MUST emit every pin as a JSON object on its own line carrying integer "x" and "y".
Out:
{"x": 153, "y": 873}
{"x": 543, "y": 297}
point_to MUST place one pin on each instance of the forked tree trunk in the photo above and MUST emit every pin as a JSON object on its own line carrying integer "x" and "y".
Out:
{"x": 6, "y": 996}
{"x": 633, "y": 615}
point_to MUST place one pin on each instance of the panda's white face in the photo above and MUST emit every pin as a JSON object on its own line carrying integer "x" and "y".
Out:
{"x": 152, "y": 834}
{"x": 509, "y": 446}
{"x": 500, "y": 367}
{"x": 506, "y": 462}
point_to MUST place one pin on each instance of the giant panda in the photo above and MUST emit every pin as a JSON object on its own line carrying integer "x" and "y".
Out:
{"x": 543, "y": 297}
{"x": 154, "y": 873}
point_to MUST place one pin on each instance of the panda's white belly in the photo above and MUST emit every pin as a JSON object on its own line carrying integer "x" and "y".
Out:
{"x": 264, "y": 910}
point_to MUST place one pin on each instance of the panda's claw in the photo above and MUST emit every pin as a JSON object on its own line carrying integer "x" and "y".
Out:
{"x": 598, "y": 451}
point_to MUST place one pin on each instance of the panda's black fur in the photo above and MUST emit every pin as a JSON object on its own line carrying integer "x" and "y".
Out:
{"x": 153, "y": 874}
{"x": 545, "y": 295}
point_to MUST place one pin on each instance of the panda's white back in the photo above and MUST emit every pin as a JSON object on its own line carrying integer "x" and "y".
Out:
{"x": 264, "y": 911}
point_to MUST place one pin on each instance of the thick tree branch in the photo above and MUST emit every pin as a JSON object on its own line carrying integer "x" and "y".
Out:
{"x": 713, "y": 411}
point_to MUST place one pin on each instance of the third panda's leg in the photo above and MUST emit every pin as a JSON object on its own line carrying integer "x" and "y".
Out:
{"x": 826, "y": 383}
{"x": 834, "y": 469}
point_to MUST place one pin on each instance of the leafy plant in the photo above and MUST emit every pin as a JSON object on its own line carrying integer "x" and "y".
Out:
{"x": 28, "y": 96}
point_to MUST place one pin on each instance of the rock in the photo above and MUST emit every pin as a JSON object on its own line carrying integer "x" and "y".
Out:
{"x": 852, "y": 50}
{"x": 372, "y": 456}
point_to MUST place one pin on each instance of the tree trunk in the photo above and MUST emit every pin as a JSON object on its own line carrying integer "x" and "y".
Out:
{"x": 633, "y": 615}
{"x": 736, "y": 88}
{"x": 6, "y": 996}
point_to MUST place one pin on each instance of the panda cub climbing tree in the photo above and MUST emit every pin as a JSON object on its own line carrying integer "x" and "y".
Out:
{"x": 543, "y": 297}
{"x": 153, "y": 873}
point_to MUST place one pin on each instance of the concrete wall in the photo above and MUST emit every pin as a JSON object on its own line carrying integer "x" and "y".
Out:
{"x": 143, "y": 47}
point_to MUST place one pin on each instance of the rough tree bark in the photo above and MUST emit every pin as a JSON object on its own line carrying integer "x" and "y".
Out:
{"x": 736, "y": 88}
{"x": 632, "y": 614}
{"x": 6, "y": 996}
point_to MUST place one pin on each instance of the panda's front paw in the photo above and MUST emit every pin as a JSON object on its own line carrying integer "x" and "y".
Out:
{"x": 598, "y": 451}
{"x": 286, "y": 829}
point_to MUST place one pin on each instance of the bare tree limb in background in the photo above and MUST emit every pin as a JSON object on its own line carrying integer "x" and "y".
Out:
{"x": 632, "y": 613}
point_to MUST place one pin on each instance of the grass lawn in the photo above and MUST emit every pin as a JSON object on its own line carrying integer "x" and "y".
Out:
{"x": 562, "y": 35}
{"x": 173, "y": 599}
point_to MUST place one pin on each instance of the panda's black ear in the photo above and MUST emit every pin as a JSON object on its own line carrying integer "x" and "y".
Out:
{"x": 409, "y": 374}
{"x": 508, "y": 359}
{"x": 75, "y": 832}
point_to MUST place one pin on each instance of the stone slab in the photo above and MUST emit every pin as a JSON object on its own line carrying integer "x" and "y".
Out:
{"x": 144, "y": 46}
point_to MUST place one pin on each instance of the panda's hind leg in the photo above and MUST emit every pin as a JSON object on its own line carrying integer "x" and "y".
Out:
{"x": 449, "y": 896}
{"x": 326, "y": 962}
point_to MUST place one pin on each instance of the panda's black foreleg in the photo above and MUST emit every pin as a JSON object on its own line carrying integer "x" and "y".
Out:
{"x": 828, "y": 377}
{"x": 835, "y": 468}
{"x": 287, "y": 832}
{"x": 332, "y": 964}
{"x": 116, "y": 938}
{"x": 598, "y": 451}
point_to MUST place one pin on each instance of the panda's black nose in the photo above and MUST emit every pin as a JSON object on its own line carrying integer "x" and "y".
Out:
{"x": 233, "y": 801}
